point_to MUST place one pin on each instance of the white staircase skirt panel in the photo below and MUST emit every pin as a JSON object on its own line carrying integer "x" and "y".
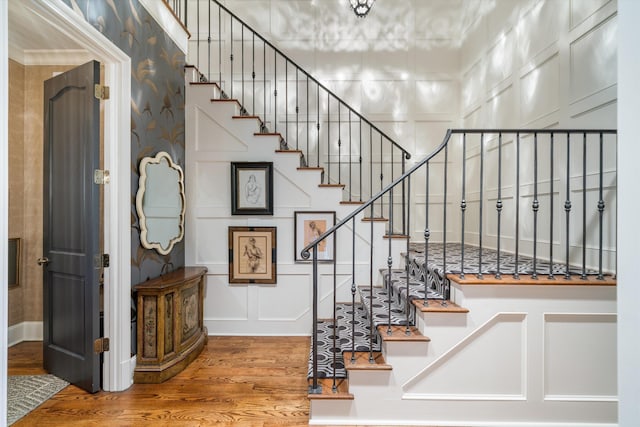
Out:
{"x": 489, "y": 364}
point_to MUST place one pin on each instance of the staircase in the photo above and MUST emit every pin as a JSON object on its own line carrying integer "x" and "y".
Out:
{"x": 523, "y": 340}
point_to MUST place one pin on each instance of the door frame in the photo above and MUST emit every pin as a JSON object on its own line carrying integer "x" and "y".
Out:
{"x": 118, "y": 365}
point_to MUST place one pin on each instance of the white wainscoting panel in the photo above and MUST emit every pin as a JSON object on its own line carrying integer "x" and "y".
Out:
{"x": 578, "y": 362}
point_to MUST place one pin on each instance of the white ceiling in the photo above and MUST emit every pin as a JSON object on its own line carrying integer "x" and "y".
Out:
{"x": 33, "y": 40}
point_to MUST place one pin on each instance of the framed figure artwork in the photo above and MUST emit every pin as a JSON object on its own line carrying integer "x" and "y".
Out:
{"x": 308, "y": 226}
{"x": 251, "y": 188}
{"x": 252, "y": 255}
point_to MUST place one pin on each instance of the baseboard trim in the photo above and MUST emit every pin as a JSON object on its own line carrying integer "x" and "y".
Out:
{"x": 25, "y": 331}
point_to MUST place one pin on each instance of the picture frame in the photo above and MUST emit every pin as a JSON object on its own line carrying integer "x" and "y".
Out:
{"x": 307, "y": 227}
{"x": 252, "y": 188}
{"x": 252, "y": 255}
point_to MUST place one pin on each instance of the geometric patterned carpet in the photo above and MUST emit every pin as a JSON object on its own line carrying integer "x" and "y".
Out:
{"x": 27, "y": 392}
{"x": 372, "y": 303}
{"x": 357, "y": 323}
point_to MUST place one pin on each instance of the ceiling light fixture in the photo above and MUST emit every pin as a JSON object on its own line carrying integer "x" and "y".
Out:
{"x": 361, "y": 7}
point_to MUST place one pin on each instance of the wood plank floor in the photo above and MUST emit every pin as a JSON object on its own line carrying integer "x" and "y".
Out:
{"x": 236, "y": 381}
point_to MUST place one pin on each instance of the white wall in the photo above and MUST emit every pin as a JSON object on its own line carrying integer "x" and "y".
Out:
{"x": 628, "y": 243}
{"x": 542, "y": 64}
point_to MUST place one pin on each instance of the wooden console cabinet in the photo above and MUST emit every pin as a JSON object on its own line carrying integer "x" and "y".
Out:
{"x": 170, "y": 331}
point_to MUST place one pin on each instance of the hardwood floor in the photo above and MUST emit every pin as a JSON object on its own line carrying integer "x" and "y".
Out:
{"x": 236, "y": 381}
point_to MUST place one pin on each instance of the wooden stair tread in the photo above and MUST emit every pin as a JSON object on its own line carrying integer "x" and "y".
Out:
{"x": 374, "y": 219}
{"x": 203, "y": 83}
{"x": 225, "y": 100}
{"x": 436, "y": 306}
{"x": 309, "y": 168}
{"x": 341, "y": 392}
{"x": 362, "y": 363}
{"x": 298, "y": 152}
{"x": 247, "y": 117}
{"x": 268, "y": 134}
{"x": 331, "y": 185}
{"x": 398, "y": 334}
{"x": 526, "y": 279}
{"x": 352, "y": 202}
{"x": 395, "y": 236}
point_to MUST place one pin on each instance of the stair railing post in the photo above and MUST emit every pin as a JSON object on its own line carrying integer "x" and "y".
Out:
{"x": 371, "y": 327}
{"x": 550, "y": 276}
{"x": 353, "y": 290}
{"x": 334, "y": 387}
{"x": 445, "y": 281}
{"x": 315, "y": 388}
{"x": 231, "y": 58}
{"x": 407, "y": 330}
{"x": 389, "y": 262}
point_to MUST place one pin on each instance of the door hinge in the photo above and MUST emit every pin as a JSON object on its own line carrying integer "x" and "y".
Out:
{"x": 101, "y": 92}
{"x": 101, "y": 177}
{"x": 101, "y": 261}
{"x": 101, "y": 345}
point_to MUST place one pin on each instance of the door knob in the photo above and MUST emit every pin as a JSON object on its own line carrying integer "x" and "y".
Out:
{"x": 43, "y": 261}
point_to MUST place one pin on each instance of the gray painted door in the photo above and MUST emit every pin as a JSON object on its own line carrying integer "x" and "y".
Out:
{"x": 71, "y": 294}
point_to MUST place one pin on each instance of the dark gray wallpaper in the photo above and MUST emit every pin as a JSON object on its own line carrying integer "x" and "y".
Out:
{"x": 157, "y": 105}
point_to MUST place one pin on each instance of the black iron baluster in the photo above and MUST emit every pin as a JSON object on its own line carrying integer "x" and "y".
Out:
{"x": 328, "y": 138}
{"x": 220, "y": 51}
{"x": 275, "y": 92}
{"x": 339, "y": 143}
{"x": 381, "y": 178}
{"x": 297, "y": 110}
{"x": 567, "y": 209}
{"x": 498, "y": 275}
{"x": 407, "y": 331}
{"x": 253, "y": 74}
{"x": 371, "y": 165}
{"x": 389, "y": 264}
{"x": 360, "y": 158}
{"x": 209, "y": 48}
{"x": 353, "y": 290}
{"x": 601, "y": 206}
{"x": 427, "y": 234}
{"x": 535, "y": 206}
{"x": 584, "y": 206}
{"x": 231, "y": 58}
{"x": 242, "y": 68}
{"x": 463, "y": 201}
{"x": 308, "y": 122}
{"x": 479, "y": 275}
{"x": 198, "y": 37}
{"x": 394, "y": 188}
{"x": 286, "y": 102}
{"x": 550, "y": 276}
{"x": 350, "y": 154}
{"x": 264, "y": 87}
{"x": 516, "y": 272}
{"x": 318, "y": 127}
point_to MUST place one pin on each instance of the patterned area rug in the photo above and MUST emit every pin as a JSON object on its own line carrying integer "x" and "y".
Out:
{"x": 27, "y": 392}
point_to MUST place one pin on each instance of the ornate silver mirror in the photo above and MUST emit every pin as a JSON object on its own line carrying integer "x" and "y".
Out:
{"x": 160, "y": 203}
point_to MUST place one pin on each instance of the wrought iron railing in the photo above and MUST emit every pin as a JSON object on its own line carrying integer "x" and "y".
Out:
{"x": 352, "y": 152}
{"x": 527, "y": 167}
